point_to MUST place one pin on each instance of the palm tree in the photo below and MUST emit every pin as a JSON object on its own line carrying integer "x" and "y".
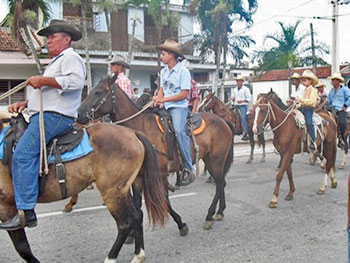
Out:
{"x": 217, "y": 27}
{"x": 21, "y": 17}
{"x": 291, "y": 47}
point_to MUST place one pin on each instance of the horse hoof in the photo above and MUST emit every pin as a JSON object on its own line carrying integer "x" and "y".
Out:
{"x": 289, "y": 198}
{"x": 110, "y": 260}
{"x": 67, "y": 209}
{"x": 262, "y": 160}
{"x": 140, "y": 258}
{"x": 184, "y": 231}
{"x": 90, "y": 187}
{"x": 208, "y": 225}
{"x": 272, "y": 204}
{"x": 218, "y": 217}
{"x": 334, "y": 185}
{"x": 129, "y": 240}
{"x": 249, "y": 161}
{"x": 320, "y": 192}
{"x": 341, "y": 166}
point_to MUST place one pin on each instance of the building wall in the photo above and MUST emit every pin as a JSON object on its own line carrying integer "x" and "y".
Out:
{"x": 186, "y": 28}
{"x": 141, "y": 79}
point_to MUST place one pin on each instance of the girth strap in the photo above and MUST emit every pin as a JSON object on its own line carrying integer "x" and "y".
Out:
{"x": 60, "y": 170}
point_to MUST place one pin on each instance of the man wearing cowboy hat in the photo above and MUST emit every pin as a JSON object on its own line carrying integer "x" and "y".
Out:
{"x": 321, "y": 92}
{"x": 118, "y": 65}
{"x": 61, "y": 85}
{"x": 175, "y": 83}
{"x": 241, "y": 97}
{"x": 298, "y": 90}
{"x": 307, "y": 103}
{"x": 339, "y": 99}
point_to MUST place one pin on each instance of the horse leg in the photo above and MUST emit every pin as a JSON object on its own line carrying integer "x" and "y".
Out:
{"x": 252, "y": 146}
{"x": 209, "y": 221}
{"x": 69, "y": 207}
{"x": 124, "y": 213}
{"x": 140, "y": 256}
{"x": 286, "y": 161}
{"x": 222, "y": 203}
{"x": 262, "y": 139}
{"x": 20, "y": 241}
{"x": 289, "y": 197}
{"x": 346, "y": 148}
{"x": 183, "y": 228}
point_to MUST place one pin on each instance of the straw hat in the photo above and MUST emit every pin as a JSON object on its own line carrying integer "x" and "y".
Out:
{"x": 172, "y": 46}
{"x": 240, "y": 77}
{"x": 320, "y": 84}
{"x": 295, "y": 76}
{"x": 307, "y": 74}
{"x": 337, "y": 75}
{"x": 119, "y": 60}
{"x": 56, "y": 26}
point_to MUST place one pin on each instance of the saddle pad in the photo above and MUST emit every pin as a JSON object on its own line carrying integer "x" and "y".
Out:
{"x": 197, "y": 131}
{"x": 300, "y": 119}
{"x": 82, "y": 149}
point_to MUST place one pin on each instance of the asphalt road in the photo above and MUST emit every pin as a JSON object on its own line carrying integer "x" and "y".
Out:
{"x": 311, "y": 228}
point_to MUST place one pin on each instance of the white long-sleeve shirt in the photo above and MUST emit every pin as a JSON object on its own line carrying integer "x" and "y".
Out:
{"x": 241, "y": 94}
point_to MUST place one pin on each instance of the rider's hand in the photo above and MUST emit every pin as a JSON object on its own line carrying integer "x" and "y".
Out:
{"x": 158, "y": 101}
{"x": 36, "y": 82}
{"x": 297, "y": 100}
{"x": 239, "y": 101}
{"x": 17, "y": 107}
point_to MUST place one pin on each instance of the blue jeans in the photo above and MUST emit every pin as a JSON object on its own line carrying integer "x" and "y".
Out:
{"x": 179, "y": 118}
{"x": 26, "y": 158}
{"x": 308, "y": 113}
{"x": 243, "y": 112}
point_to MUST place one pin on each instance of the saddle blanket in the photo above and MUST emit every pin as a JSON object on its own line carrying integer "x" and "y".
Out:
{"x": 82, "y": 149}
{"x": 198, "y": 129}
{"x": 300, "y": 119}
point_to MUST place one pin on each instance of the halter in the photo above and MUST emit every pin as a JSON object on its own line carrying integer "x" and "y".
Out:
{"x": 205, "y": 105}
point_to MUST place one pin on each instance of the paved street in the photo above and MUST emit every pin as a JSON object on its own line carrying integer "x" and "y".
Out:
{"x": 311, "y": 228}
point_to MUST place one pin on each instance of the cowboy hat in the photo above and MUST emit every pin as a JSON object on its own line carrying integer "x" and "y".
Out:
{"x": 119, "y": 60}
{"x": 307, "y": 74}
{"x": 295, "y": 76}
{"x": 320, "y": 84}
{"x": 240, "y": 77}
{"x": 172, "y": 46}
{"x": 337, "y": 75}
{"x": 56, "y": 26}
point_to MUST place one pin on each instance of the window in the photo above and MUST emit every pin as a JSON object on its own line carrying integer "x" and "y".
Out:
{"x": 6, "y": 85}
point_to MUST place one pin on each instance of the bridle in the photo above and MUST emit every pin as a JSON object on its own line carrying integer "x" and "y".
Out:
{"x": 205, "y": 104}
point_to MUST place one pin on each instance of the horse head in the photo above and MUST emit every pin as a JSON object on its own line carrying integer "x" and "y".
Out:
{"x": 261, "y": 112}
{"x": 99, "y": 102}
{"x": 208, "y": 103}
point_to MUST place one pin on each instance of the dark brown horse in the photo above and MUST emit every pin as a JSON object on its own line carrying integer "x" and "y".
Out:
{"x": 287, "y": 141}
{"x": 215, "y": 142}
{"x": 121, "y": 159}
{"x": 213, "y": 103}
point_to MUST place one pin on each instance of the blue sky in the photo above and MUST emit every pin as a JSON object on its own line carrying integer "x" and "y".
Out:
{"x": 272, "y": 11}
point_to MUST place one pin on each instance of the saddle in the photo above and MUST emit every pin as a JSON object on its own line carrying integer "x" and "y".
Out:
{"x": 195, "y": 126}
{"x": 57, "y": 146}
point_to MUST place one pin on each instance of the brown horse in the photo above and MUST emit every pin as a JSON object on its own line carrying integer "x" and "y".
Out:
{"x": 213, "y": 103}
{"x": 121, "y": 158}
{"x": 215, "y": 142}
{"x": 287, "y": 141}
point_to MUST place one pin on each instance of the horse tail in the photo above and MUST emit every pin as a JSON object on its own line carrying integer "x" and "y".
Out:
{"x": 229, "y": 158}
{"x": 153, "y": 187}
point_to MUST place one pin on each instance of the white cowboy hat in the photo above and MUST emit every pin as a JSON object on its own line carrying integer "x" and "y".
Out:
{"x": 240, "y": 77}
{"x": 337, "y": 75}
{"x": 307, "y": 74}
{"x": 320, "y": 84}
{"x": 172, "y": 46}
{"x": 119, "y": 60}
{"x": 295, "y": 76}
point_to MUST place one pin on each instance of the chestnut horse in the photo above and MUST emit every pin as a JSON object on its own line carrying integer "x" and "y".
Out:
{"x": 215, "y": 142}
{"x": 213, "y": 103}
{"x": 287, "y": 141}
{"x": 121, "y": 158}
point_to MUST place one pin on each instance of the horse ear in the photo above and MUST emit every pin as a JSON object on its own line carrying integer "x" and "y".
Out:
{"x": 112, "y": 79}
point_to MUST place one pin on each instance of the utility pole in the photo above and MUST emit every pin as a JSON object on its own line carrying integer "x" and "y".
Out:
{"x": 314, "y": 66}
{"x": 335, "y": 42}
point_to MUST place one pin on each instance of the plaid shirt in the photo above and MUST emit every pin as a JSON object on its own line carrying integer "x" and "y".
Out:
{"x": 124, "y": 83}
{"x": 192, "y": 94}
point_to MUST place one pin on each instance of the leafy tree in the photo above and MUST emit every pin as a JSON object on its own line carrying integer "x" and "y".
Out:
{"x": 291, "y": 47}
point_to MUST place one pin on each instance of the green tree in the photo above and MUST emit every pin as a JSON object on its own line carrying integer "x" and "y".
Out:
{"x": 217, "y": 18}
{"x": 291, "y": 47}
{"x": 22, "y": 16}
